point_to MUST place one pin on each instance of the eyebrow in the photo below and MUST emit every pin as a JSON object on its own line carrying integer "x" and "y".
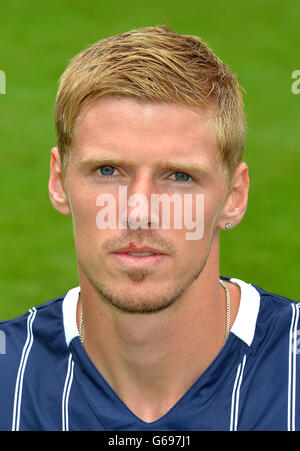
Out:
{"x": 102, "y": 159}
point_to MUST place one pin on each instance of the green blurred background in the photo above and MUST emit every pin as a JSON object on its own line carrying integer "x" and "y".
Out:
{"x": 259, "y": 39}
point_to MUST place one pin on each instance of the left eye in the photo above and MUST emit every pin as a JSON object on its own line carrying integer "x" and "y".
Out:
{"x": 181, "y": 177}
{"x": 107, "y": 170}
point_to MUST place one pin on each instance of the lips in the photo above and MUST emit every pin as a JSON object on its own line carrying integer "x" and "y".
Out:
{"x": 139, "y": 251}
{"x": 138, "y": 257}
{"x": 140, "y": 254}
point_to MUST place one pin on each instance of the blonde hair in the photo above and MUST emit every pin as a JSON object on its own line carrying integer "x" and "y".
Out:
{"x": 153, "y": 64}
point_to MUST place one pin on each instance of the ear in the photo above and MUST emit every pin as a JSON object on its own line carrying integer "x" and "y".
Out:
{"x": 57, "y": 193}
{"x": 236, "y": 203}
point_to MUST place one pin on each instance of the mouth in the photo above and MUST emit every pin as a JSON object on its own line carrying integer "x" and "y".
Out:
{"x": 140, "y": 254}
{"x": 140, "y": 257}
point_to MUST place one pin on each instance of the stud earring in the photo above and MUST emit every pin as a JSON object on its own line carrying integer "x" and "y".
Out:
{"x": 228, "y": 226}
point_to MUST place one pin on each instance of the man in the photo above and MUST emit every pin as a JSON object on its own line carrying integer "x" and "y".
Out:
{"x": 153, "y": 338}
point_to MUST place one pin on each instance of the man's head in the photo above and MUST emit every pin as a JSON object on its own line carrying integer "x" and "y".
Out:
{"x": 135, "y": 111}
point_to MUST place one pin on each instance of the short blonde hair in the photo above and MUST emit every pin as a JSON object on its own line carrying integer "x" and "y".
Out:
{"x": 153, "y": 64}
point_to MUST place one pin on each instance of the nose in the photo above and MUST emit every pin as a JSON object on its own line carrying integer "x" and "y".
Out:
{"x": 138, "y": 213}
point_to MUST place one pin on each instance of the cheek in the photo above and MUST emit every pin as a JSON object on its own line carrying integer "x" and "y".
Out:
{"x": 84, "y": 212}
{"x": 212, "y": 210}
{"x": 199, "y": 219}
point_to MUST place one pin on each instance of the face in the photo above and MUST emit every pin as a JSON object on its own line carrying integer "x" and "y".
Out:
{"x": 145, "y": 148}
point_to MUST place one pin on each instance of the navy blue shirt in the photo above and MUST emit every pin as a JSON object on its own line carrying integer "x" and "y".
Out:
{"x": 48, "y": 382}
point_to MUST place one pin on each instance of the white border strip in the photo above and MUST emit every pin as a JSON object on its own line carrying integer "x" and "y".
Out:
{"x": 291, "y": 414}
{"x": 245, "y": 322}
{"x": 66, "y": 394}
{"x": 236, "y": 396}
{"x": 21, "y": 370}
{"x": 69, "y": 308}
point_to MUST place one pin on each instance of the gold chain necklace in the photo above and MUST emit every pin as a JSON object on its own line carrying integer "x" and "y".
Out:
{"x": 227, "y": 324}
{"x": 81, "y": 326}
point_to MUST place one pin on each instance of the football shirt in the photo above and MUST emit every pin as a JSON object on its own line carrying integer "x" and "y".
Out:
{"x": 48, "y": 382}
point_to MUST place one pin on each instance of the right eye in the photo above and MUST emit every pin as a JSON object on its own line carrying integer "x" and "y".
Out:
{"x": 107, "y": 170}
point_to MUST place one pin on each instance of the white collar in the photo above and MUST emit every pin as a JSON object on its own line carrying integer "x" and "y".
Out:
{"x": 245, "y": 320}
{"x": 243, "y": 326}
{"x": 69, "y": 309}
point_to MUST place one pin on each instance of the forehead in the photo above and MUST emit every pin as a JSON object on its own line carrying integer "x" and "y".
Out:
{"x": 130, "y": 127}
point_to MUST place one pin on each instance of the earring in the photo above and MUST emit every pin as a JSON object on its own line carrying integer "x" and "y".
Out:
{"x": 228, "y": 226}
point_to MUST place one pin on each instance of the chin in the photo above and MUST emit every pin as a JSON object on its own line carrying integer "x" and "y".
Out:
{"x": 142, "y": 299}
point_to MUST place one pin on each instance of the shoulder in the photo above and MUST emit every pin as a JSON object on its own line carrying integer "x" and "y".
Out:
{"x": 276, "y": 307}
{"x": 46, "y": 307}
{"x": 278, "y": 319}
{"x": 33, "y": 356}
{"x": 40, "y": 323}
{"x": 277, "y": 324}
{"x": 262, "y": 315}
{"x": 267, "y": 302}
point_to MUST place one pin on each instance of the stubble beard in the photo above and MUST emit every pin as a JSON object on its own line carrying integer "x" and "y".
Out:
{"x": 124, "y": 301}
